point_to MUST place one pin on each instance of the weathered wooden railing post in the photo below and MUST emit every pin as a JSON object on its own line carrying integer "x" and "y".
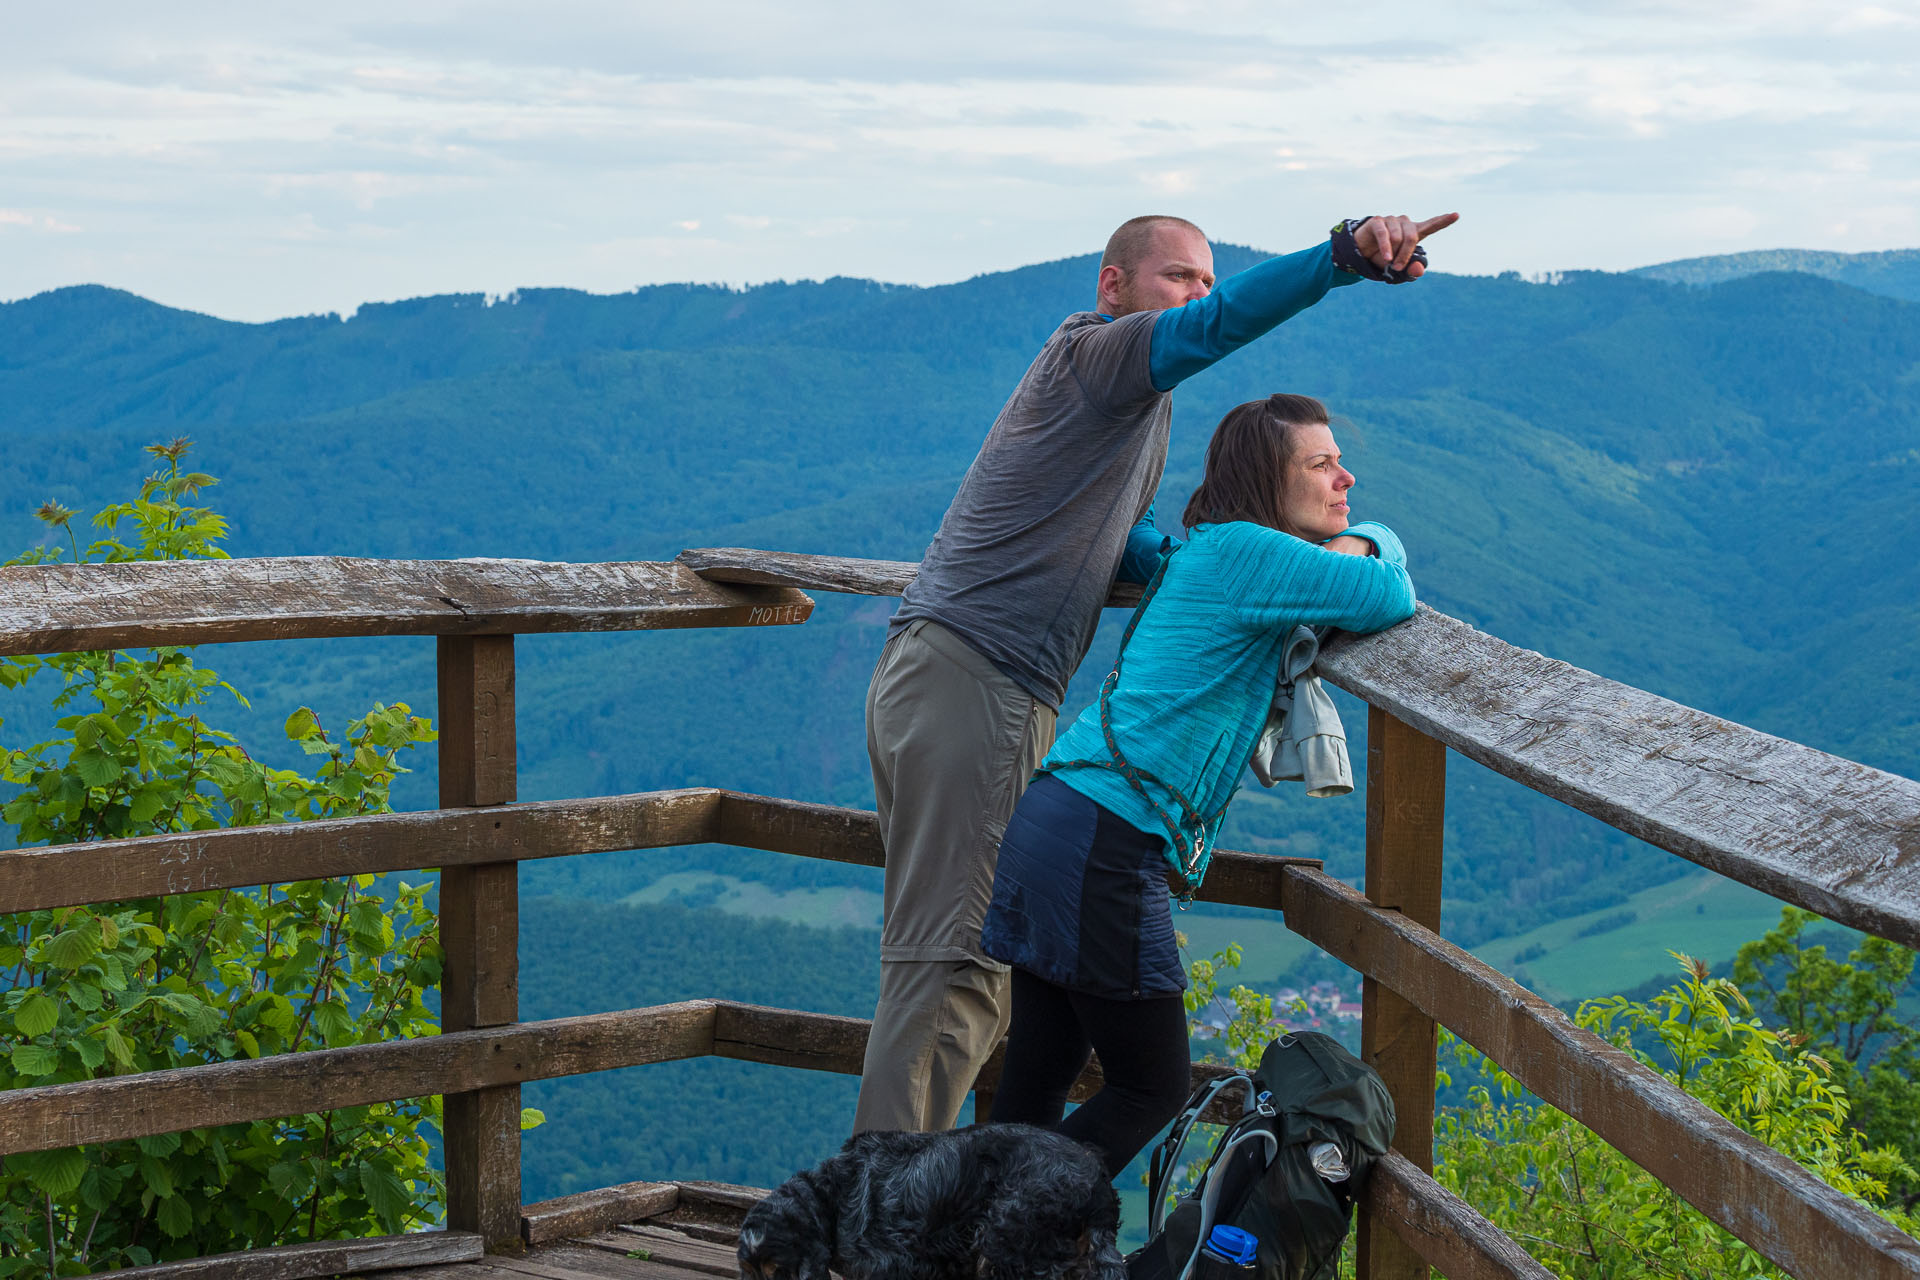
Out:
{"x": 1406, "y": 800}
{"x": 480, "y": 931}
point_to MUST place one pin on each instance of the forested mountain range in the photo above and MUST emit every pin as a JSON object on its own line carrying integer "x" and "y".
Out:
{"x": 1700, "y": 490}
{"x": 1703, "y": 479}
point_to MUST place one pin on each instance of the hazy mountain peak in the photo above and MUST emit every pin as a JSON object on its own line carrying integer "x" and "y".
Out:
{"x": 1893, "y": 272}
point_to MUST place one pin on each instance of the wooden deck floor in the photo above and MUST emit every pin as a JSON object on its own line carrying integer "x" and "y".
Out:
{"x": 642, "y": 1251}
{"x": 643, "y": 1231}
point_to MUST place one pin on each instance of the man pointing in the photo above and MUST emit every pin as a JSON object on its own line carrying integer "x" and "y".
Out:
{"x": 1056, "y": 507}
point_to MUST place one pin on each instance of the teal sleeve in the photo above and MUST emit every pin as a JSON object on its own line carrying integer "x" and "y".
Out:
{"x": 1386, "y": 543}
{"x": 1145, "y": 545}
{"x": 1244, "y": 306}
{"x": 1275, "y": 579}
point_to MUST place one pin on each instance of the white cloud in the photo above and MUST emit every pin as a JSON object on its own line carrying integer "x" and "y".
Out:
{"x": 45, "y": 222}
{"x": 255, "y": 164}
{"x": 1875, "y": 18}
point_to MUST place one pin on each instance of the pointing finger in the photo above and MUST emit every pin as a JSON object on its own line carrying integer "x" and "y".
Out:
{"x": 1440, "y": 223}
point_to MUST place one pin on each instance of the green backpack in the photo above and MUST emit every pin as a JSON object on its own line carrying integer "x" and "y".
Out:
{"x": 1309, "y": 1111}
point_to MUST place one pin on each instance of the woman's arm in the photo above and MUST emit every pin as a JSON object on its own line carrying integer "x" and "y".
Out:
{"x": 1145, "y": 545}
{"x": 1274, "y": 579}
{"x": 1369, "y": 538}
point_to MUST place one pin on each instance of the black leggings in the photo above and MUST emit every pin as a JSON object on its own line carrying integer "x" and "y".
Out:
{"x": 1143, "y": 1055}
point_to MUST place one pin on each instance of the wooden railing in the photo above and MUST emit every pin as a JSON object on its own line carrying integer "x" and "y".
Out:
{"x": 1836, "y": 837}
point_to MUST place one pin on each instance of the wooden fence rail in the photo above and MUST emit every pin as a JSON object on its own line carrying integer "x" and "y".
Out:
{"x": 150, "y": 866}
{"x": 59, "y": 608}
{"x": 1441, "y": 1229}
{"x": 68, "y": 875}
{"x": 1838, "y": 838}
{"x": 114, "y": 1108}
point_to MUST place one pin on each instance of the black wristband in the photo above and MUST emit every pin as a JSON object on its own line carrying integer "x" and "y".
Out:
{"x": 1347, "y": 255}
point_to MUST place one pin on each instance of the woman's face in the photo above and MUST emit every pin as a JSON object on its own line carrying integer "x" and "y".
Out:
{"x": 1313, "y": 500}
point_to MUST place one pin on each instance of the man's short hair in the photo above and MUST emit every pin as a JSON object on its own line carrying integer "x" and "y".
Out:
{"x": 1128, "y": 244}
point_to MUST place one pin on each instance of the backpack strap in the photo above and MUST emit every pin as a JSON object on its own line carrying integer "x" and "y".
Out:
{"x": 1188, "y": 852}
{"x": 1239, "y": 1136}
{"x": 1164, "y": 1156}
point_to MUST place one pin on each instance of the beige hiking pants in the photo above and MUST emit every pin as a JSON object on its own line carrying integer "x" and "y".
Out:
{"x": 952, "y": 741}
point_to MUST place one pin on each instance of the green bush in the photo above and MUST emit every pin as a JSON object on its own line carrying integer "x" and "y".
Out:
{"x": 1850, "y": 1014}
{"x": 1585, "y": 1210}
{"x": 198, "y": 978}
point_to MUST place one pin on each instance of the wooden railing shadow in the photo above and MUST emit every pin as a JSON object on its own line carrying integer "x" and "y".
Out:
{"x": 1835, "y": 837}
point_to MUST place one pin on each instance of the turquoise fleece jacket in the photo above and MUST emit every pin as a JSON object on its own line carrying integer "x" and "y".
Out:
{"x": 1198, "y": 675}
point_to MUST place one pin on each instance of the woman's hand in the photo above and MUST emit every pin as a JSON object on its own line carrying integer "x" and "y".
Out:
{"x": 1348, "y": 544}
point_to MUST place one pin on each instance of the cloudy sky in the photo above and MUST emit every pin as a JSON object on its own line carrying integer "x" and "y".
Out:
{"x": 256, "y": 161}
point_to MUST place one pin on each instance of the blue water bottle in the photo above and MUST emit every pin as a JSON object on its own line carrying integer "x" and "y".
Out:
{"x": 1227, "y": 1255}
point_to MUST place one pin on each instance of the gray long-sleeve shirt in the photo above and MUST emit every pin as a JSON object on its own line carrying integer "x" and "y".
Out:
{"x": 1059, "y": 498}
{"x": 1027, "y": 551}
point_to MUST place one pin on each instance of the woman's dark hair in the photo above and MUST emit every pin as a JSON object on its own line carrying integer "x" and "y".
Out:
{"x": 1247, "y": 461}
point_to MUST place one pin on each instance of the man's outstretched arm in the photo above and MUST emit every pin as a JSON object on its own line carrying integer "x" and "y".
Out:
{"x": 1246, "y": 305}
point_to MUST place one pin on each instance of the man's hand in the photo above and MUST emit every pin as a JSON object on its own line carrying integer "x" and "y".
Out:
{"x": 1390, "y": 241}
{"x": 1348, "y": 544}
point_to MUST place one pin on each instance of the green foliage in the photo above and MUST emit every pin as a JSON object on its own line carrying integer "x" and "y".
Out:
{"x": 1849, "y": 1013}
{"x": 198, "y": 978}
{"x": 1244, "y": 1022}
{"x": 1587, "y": 1211}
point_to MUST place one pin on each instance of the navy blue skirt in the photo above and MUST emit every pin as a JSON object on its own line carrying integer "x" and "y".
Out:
{"x": 1080, "y": 899}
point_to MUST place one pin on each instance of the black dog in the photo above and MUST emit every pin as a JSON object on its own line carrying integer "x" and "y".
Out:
{"x": 994, "y": 1202}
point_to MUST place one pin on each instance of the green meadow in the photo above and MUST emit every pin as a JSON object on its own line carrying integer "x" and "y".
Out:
{"x": 819, "y": 908}
{"x": 1701, "y": 915}
{"x": 1705, "y": 916}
